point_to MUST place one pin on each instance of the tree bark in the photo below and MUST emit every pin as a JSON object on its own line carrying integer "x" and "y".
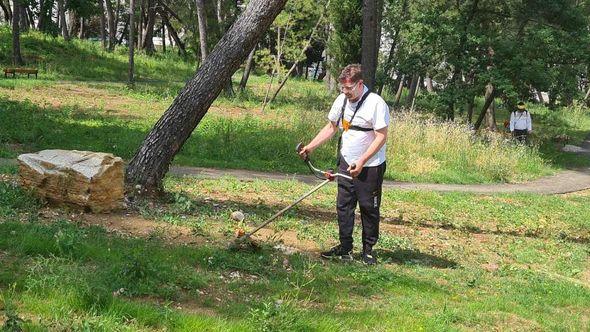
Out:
{"x": 17, "y": 58}
{"x": 110, "y": 24}
{"x": 62, "y": 19}
{"x": 429, "y": 87}
{"x": 103, "y": 24}
{"x": 370, "y": 40}
{"x": 23, "y": 18}
{"x": 117, "y": 18}
{"x": 247, "y": 69}
{"x": 131, "y": 69}
{"x": 491, "y": 94}
{"x": 490, "y": 117}
{"x": 152, "y": 160}
{"x": 163, "y": 33}
{"x": 202, "y": 19}
{"x": 400, "y": 89}
{"x": 30, "y": 18}
{"x": 82, "y": 31}
{"x": 6, "y": 11}
{"x": 140, "y": 23}
{"x": 172, "y": 32}
{"x": 586, "y": 98}
{"x": 148, "y": 33}
{"x": 42, "y": 15}
{"x": 412, "y": 91}
{"x": 163, "y": 8}
{"x": 124, "y": 32}
{"x": 73, "y": 23}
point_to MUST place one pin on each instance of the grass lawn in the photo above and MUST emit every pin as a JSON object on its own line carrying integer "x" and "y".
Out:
{"x": 447, "y": 262}
{"x": 76, "y": 106}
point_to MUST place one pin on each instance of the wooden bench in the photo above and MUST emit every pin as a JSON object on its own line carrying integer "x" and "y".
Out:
{"x": 14, "y": 71}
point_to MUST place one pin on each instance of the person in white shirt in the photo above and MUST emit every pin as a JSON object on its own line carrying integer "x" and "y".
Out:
{"x": 363, "y": 118}
{"x": 521, "y": 124}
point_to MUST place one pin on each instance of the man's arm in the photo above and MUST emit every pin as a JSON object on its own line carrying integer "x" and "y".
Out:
{"x": 325, "y": 134}
{"x": 380, "y": 139}
{"x": 511, "y": 121}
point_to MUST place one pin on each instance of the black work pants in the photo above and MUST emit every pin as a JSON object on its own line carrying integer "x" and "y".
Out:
{"x": 521, "y": 135}
{"x": 366, "y": 191}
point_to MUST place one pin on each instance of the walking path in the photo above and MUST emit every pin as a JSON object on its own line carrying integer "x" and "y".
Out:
{"x": 560, "y": 183}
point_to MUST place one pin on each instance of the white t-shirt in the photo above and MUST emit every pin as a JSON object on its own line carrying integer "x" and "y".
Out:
{"x": 520, "y": 121}
{"x": 374, "y": 113}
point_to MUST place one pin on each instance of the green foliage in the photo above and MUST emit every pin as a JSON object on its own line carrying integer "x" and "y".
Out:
{"x": 345, "y": 39}
{"x": 515, "y": 46}
{"x": 14, "y": 199}
{"x": 493, "y": 257}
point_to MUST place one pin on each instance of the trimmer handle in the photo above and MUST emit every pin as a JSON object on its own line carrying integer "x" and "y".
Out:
{"x": 298, "y": 149}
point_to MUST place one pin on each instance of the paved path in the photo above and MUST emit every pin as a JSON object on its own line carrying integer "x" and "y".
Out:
{"x": 560, "y": 183}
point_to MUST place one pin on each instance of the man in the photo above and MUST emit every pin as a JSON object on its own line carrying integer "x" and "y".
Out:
{"x": 521, "y": 123}
{"x": 363, "y": 118}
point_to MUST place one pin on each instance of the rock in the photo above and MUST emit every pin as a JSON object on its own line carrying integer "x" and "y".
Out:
{"x": 573, "y": 148}
{"x": 285, "y": 249}
{"x": 91, "y": 180}
{"x": 237, "y": 216}
{"x": 490, "y": 267}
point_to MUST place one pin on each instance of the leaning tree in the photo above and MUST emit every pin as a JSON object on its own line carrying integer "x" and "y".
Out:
{"x": 151, "y": 162}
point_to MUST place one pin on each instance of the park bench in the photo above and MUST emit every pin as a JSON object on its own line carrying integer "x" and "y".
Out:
{"x": 14, "y": 71}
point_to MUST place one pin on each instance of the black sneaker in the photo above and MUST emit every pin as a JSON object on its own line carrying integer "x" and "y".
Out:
{"x": 338, "y": 252}
{"x": 368, "y": 259}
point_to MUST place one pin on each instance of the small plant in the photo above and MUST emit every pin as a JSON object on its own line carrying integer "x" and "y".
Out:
{"x": 183, "y": 203}
{"x": 273, "y": 316}
{"x": 66, "y": 238}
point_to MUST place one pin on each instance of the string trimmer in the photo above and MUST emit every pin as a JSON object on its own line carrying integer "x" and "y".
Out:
{"x": 327, "y": 176}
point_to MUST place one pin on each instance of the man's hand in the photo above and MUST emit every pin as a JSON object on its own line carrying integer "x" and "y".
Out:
{"x": 356, "y": 168}
{"x": 304, "y": 152}
{"x": 530, "y": 131}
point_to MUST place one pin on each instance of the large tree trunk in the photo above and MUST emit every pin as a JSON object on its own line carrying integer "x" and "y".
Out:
{"x": 131, "y": 78}
{"x": 490, "y": 95}
{"x": 148, "y": 34}
{"x": 370, "y": 40}
{"x": 62, "y": 19}
{"x": 202, "y": 18}
{"x": 247, "y": 69}
{"x": 111, "y": 24}
{"x": 151, "y": 162}
{"x": 17, "y": 58}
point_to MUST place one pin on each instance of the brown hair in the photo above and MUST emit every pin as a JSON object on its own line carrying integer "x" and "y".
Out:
{"x": 352, "y": 73}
